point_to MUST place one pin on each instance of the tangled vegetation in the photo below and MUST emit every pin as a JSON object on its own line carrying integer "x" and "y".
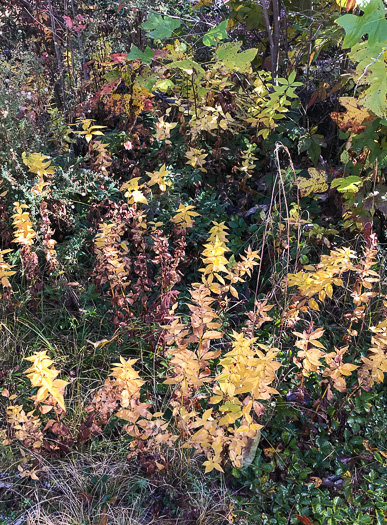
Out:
{"x": 192, "y": 262}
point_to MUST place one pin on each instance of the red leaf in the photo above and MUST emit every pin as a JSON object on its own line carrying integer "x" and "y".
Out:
{"x": 119, "y": 58}
{"x": 304, "y": 520}
{"x": 69, "y": 22}
{"x": 148, "y": 104}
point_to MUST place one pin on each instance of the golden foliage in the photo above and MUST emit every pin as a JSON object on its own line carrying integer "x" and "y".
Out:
{"x": 26, "y": 427}
{"x": 317, "y": 183}
{"x": 43, "y": 375}
{"x": 38, "y": 164}
{"x": 5, "y": 269}
{"x": 184, "y": 216}
{"x": 158, "y": 177}
{"x": 24, "y": 231}
{"x": 310, "y": 350}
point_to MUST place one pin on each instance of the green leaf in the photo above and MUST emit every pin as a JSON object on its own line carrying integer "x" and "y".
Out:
{"x": 234, "y": 61}
{"x": 160, "y": 27}
{"x": 292, "y": 77}
{"x": 372, "y": 71}
{"x": 187, "y": 65}
{"x": 145, "y": 56}
{"x": 373, "y": 22}
{"x": 314, "y": 152}
{"x": 216, "y": 33}
{"x": 164, "y": 85}
{"x": 146, "y": 81}
{"x": 113, "y": 75}
{"x": 348, "y": 185}
{"x": 250, "y": 13}
{"x": 229, "y": 407}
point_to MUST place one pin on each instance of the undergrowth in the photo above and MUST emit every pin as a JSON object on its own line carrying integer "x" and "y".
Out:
{"x": 193, "y": 289}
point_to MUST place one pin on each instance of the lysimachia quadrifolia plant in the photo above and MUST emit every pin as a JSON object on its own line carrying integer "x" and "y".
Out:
{"x": 247, "y": 373}
{"x": 230, "y": 431}
{"x": 122, "y": 391}
{"x": 43, "y": 375}
{"x": 217, "y": 266}
{"x": 40, "y": 165}
{"x": 375, "y": 364}
{"x": 183, "y": 216}
{"x": 133, "y": 191}
{"x": 24, "y": 231}
{"x": 5, "y": 270}
{"x": 24, "y": 236}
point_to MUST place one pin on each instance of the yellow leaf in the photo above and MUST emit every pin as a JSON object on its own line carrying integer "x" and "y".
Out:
{"x": 313, "y": 305}
{"x": 317, "y": 183}
{"x": 316, "y": 481}
{"x": 44, "y": 409}
{"x": 211, "y": 465}
{"x": 215, "y": 399}
{"x": 243, "y": 428}
{"x": 354, "y": 118}
{"x": 213, "y": 335}
{"x": 329, "y": 290}
{"x": 103, "y": 342}
{"x": 234, "y": 292}
{"x": 207, "y": 414}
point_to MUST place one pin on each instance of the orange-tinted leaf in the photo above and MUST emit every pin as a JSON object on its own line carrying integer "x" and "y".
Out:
{"x": 303, "y": 519}
{"x": 351, "y": 4}
{"x": 354, "y": 117}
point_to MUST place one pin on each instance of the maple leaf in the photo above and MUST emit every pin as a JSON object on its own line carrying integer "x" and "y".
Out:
{"x": 228, "y": 55}
{"x": 353, "y": 118}
{"x": 160, "y": 27}
{"x": 349, "y": 184}
{"x": 371, "y": 71}
{"x": 373, "y": 22}
{"x": 203, "y": 3}
{"x": 317, "y": 183}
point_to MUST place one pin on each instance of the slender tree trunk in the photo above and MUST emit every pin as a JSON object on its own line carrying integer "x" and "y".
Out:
{"x": 80, "y": 45}
{"x": 273, "y": 34}
{"x": 276, "y": 38}
{"x": 310, "y": 46}
{"x": 58, "y": 54}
